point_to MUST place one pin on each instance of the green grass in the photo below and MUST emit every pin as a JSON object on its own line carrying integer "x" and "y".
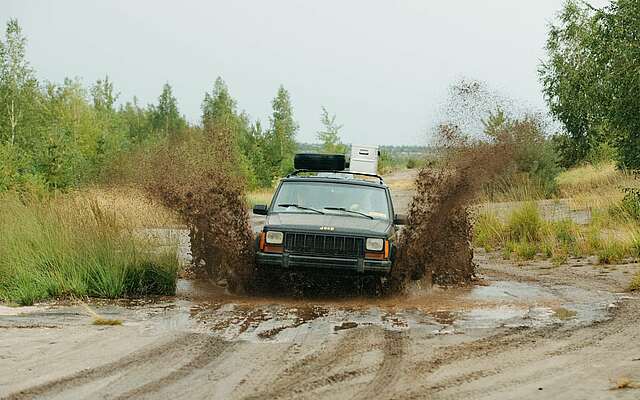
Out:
{"x": 612, "y": 252}
{"x": 611, "y": 196}
{"x": 68, "y": 247}
{"x": 526, "y": 235}
{"x": 107, "y": 322}
{"x": 525, "y": 223}
{"x": 635, "y": 282}
{"x": 260, "y": 196}
{"x": 489, "y": 231}
{"x": 525, "y": 250}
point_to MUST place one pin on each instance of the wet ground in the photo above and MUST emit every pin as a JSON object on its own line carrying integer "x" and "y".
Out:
{"x": 474, "y": 310}
{"x": 570, "y": 331}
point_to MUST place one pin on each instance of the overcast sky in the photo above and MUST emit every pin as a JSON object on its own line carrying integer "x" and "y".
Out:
{"x": 382, "y": 66}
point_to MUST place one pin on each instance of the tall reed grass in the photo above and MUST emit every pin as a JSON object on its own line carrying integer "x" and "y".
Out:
{"x": 526, "y": 235}
{"x": 63, "y": 246}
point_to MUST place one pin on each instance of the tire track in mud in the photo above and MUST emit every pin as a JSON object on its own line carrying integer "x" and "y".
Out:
{"x": 147, "y": 355}
{"x": 394, "y": 350}
{"x": 310, "y": 372}
{"x": 211, "y": 349}
{"x": 263, "y": 371}
{"x": 545, "y": 344}
{"x": 503, "y": 342}
{"x": 512, "y": 340}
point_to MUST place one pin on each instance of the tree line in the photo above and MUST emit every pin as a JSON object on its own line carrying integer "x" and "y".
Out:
{"x": 61, "y": 135}
{"x": 591, "y": 81}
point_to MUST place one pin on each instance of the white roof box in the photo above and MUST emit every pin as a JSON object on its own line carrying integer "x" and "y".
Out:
{"x": 364, "y": 159}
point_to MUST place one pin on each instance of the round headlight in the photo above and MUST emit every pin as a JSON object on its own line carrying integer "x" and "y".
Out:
{"x": 274, "y": 237}
{"x": 374, "y": 244}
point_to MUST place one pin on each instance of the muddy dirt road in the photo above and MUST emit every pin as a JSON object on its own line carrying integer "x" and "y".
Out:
{"x": 521, "y": 331}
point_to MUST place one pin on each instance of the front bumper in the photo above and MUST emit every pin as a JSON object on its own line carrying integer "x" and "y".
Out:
{"x": 346, "y": 265}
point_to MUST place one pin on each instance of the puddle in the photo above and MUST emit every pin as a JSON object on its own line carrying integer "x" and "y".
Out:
{"x": 475, "y": 310}
{"x": 506, "y": 290}
{"x": 470, "y": 310}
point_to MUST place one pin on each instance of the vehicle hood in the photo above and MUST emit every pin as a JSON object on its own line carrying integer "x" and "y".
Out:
{"x": 342, "y": 224}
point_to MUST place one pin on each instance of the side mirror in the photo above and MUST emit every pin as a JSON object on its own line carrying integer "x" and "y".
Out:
{"x": 400, "y": 219}
{"x": 260, "y": 209}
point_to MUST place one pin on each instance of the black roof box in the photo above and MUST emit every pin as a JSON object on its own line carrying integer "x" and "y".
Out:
{"x": 319, "y": 162}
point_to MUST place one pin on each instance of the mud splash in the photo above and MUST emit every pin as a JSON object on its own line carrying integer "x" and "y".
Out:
{"x": 435, "y": 246}
{"x": 196, "y": 175}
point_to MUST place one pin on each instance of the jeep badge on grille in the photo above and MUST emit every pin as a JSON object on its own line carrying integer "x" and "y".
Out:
{"x": 327, "y": 228}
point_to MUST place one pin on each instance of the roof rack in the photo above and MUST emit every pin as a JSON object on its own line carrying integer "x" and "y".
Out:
{"x": 299, "y": 171}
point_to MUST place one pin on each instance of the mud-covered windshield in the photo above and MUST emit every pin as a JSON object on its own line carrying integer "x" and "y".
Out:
{"x": 332, "y": 198}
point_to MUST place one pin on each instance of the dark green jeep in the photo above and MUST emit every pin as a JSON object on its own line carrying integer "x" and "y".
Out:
{"x": 323, "y": 217}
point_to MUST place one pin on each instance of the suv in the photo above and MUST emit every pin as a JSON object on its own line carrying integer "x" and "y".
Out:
{"x": 323, "y": 217}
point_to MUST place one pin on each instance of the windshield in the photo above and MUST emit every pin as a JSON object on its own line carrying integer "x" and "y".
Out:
{"x": 332, "y": 198}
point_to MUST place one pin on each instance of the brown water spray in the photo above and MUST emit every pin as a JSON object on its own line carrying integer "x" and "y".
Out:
{"x": 196, "y": 175}
{"x": 436, "y": 244}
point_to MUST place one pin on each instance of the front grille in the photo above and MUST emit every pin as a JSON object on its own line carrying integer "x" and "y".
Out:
{"x": 325, "y": 245}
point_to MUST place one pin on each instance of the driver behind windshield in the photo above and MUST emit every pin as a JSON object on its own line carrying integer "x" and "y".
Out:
{"x": 318, "y": 196}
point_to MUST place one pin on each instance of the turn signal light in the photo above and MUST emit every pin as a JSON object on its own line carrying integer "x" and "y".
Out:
{"x": 270, "y": 248}
{"x": 382, "y": 255}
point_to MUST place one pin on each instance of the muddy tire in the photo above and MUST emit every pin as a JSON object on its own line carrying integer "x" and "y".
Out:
{"x": 371, "y": 286}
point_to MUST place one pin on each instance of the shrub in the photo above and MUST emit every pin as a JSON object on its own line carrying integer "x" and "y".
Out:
{"x": 565, "y": 232}
{"x": 612, "y": 252}
{"x": 630, "y": 204}
{"x": 559, "y": 256}
{"x": 385, "y": 162}
{"x": 508, "y": 249}
{"x": 602, "y": 153}
{"x": 525, "y": 250}
{"x": 488, "y": 231}
{"x": 525, "y": 223}
{"x": 534, "y": 156}
{"x": 635, "y": 244}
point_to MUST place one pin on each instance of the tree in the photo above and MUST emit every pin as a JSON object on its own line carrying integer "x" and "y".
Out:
{"x": 329, "y": 136}
{"x": 104, "y": 97}
{"x": 220, "y": 115}
{"x": 281, "y": 134}
{"x": 166, "y": 118}
{"x": 219, "y": 106}
{"x": 138, "y": 121}
{"x": 590, "y": 79}
{"x": 18, "y": 86}
{"x": 533, "y": 157}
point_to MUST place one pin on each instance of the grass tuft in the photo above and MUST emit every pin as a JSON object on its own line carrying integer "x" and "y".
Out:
{"x": 624, "y": 382}
{"x": 107, "y": 322}
{"x": 525, "y": 250}
{"x": 635, "y": 282}
{"x": 65, "y": 246}
{"x": 259, "y": 196}
{"x": 612, "y": 252}
{"x": 525, "y": 223}
{"x": 489, "y": 231}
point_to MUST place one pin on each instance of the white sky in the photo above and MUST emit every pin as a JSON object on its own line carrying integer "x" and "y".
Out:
{"x": 382, "y": 66}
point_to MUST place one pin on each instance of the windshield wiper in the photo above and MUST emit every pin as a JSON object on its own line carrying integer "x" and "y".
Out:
{"x": 349, "y": 211}
{"x": 300, "y": 207}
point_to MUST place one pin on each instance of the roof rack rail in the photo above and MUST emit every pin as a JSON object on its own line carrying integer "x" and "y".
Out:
{"x": 300, "y": 171}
